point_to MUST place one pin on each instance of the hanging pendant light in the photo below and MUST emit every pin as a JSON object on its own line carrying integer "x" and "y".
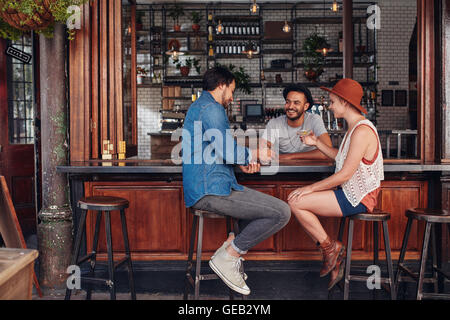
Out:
{"x": 174, "y": 52}
{"x": 249, "y": 50}
{"x": 325, "y": 50}
{"x": 335, "y": 6}
{"x": 286, "y": 27}
{"x": 254, "y": 8}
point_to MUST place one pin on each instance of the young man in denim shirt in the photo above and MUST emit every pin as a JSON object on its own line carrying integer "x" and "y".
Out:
{"x": 209, "y": 156}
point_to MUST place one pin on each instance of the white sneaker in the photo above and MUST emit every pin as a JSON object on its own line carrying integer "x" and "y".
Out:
{"x": 224, "y": 246}
{"x": 228, "y": 268}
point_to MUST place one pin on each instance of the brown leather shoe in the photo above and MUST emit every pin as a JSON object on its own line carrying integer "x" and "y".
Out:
{"x": 337, "y": 273}
{"x": 331, "y": 251}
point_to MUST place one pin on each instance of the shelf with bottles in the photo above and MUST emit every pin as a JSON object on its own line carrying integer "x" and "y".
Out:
{"x": 231, "y": 49}
{"x": 237, "y": 29}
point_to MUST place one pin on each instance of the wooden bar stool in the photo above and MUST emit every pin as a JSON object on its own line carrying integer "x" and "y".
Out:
{"x": 375, "y": 217}
{"x": 103, "y": 205}
{"x": 190, "y": 282}
{"x": 431, "y": 217}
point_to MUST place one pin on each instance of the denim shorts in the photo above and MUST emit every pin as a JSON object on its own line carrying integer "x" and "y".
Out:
{"x": 346, "y": 207}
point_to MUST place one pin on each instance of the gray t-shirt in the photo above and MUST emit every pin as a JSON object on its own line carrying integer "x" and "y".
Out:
{"x": 288, "y": 139}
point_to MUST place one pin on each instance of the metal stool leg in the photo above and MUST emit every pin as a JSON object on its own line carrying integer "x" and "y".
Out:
{"x": 434, "y": 257}
{"x": 198, "y": 258}
{"x": 423, "y": 260}
{"x": 231, "y": 222}
{"x": 94, "y": 250}
{"x": 128, "y": 253}
{"x": 76, "y": 251}
{"x": 341, "y": 229}
{"x": 112, "y": 283}
{"x": 375, "y": 252}
{"x": 403, "y": 252}
{"x": 349, "y": 259}
{"x": 189, "y": 260}
{"x": 387, "y": 248}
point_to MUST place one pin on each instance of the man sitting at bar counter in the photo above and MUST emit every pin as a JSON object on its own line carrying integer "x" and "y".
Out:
{"x": 296, "y": 123}
{"x": 209, "y": 182}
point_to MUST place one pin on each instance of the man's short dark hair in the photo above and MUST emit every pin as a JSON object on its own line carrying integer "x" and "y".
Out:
{"x": 217, "y": 76}
{"x": 301, "y": 89}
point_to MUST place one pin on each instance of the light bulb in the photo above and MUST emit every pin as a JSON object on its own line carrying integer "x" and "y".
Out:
{"x": 335, "y": 7}
{"x": 286, "y": 27}
{"x": 254, "y": 7}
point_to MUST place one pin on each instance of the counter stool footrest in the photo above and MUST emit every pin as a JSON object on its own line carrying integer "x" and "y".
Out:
{"x": 436, "y": 296}
{"x": 118, "y": 263}
{"x": 410, "y": 273}
{"x": 443, "y": 273}
{"x": 86, "y": 257}
{"x": 107, "y": 282}
{"x": 413, "y": 276}
{"x": 364, "y": 278}
{"x": 211, "y": 276}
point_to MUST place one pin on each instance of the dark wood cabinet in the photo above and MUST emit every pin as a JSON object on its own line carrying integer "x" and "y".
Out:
{"x": 159, "y": 225}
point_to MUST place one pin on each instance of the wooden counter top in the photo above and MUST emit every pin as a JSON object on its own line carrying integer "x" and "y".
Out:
{"x": 167, "y": 166}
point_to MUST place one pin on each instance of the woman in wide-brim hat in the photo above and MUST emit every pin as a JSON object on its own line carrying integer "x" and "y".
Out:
{"x": 354, "y": 186}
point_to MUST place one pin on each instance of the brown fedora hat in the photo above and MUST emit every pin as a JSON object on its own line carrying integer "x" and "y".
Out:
{"x": 349, "y": 90}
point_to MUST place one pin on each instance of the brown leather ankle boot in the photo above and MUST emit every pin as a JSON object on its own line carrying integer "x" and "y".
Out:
{"x": 331, "y": 251}
{"x": 337, "y": 273}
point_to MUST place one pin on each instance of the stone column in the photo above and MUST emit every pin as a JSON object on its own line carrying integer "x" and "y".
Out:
{"x": 55, "y": 227}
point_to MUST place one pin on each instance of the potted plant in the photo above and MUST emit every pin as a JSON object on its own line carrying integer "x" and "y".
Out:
{"x": 196, "y": 17}
{"x": 38, "y": 15}
{"x": 185, "y": 67}
{"x": 242, "y": 78}
{"x": 175, "y": 13}
{"x": 313, "y": 61}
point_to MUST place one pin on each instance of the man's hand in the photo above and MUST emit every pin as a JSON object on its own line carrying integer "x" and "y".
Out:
{"x": 251, "y": 168}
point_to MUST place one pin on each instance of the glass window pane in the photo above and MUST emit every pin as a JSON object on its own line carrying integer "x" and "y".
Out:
{"x": 29, "y": 91}
{"x": 18, "y": 72}
{"x": 28, "y": 73}
{"x": 20, "y": 87}
{"x": 18, "y": 91}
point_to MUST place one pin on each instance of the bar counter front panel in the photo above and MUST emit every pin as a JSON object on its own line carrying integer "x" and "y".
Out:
{"x": 159, "y": 225}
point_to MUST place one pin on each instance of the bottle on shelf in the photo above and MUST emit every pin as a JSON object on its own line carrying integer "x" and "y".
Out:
{"x": 193, "y": 96}
{"x": 210, "y": 33}
{"x": 159, "y": 80}
{"x": 211, "y": 51}
{"x": 341, "y": 42}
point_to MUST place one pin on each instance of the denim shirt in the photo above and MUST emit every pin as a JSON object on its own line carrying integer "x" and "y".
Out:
{"x": 209, "y": 151}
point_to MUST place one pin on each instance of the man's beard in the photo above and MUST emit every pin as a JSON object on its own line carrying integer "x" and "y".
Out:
{"x": 225, "y": 103}
{"x": 299, "y": 115}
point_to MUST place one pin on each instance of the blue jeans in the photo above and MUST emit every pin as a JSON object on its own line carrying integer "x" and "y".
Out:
{"x": 260, "y": 215}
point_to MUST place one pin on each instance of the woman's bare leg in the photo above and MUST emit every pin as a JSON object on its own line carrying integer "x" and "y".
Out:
{"x": 307, "y": 208}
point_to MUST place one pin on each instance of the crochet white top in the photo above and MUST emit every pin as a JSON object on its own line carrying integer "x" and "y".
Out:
{"x": 367, "y": 177}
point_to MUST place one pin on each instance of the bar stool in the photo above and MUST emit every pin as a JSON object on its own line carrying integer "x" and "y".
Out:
{"x": 431, "y": 217}
{"x": 199, "y": 216}
{"x": 375, "y": 217}
{"x": 103, "y": 205}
